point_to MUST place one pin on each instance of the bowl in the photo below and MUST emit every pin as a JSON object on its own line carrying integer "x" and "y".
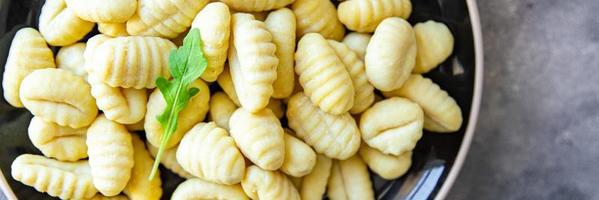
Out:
{"x": 437, "y": 158}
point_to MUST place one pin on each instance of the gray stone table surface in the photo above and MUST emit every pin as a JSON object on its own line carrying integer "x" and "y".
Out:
{"x": 538, "y": 132}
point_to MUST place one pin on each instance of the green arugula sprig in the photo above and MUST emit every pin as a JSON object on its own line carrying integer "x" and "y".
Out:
{"x": 186, "y": 64}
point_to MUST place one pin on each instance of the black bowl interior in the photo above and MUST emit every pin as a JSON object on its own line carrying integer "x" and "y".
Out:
{"x": 433, "y": 157}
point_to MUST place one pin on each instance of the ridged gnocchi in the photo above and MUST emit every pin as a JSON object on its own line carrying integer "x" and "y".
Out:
{"x": 208, "y": 152}
{"x": 113, "y": 29}
{"x": 55, "y": 141}
{"x": 60, "y": 26}
{"x": 90, "y": 48}
{"x": 317, "y": 16}
{"x": 199, "y": 189}
{"x": 122, "y": 105}
{"x": 336, "y": 136}
{"x": 391, "y": 54}
{"x": 71, "y": 58}
{"x": 104, "y": 11}
{"x": 139, "y": 187}
{"x": 131, "y": 62}
{"x": 386, "y": 166}
{"x": 281, "y": 24}
{"x": 392, "y": 126}
{"x": 263, "y": 184}
{"x": 435, "y": 44}
{"x": 163, "y": 18}
{"x": 68, "y": 102}
{"x": 194, "y": 112}
{"x": 366, "y": 15}
{"x": 259, "y": 136}
{"x": 252, "y": 61}
{"x": 257, "y": 5}
{"x": 214, "y": 22}
{"x": 225, "y": 81}
{"x": 169, "y": 160}
{"x": 314, "y": 185}
{"x": 441, "y": 113}
{"x": 299, "y": 157}
{"x": 221, "y": 109}
{"x": 350, "y": 180}
{"x": 66, "y": 180}
{"x": 28, "y": 52}
{"x": 323, "y": 75}
{"x": 110, "y": 150}
{"x": 357, "y": 42}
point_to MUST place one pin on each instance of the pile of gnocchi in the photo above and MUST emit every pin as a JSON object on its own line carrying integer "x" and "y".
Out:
{"x": 310, "y": 96}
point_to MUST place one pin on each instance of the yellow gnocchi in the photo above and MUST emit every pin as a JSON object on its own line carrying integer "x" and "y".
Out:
{"x": 318, "y": 16}
{"x": 27, "y": 53}
{"x": 110, "y": 151}
{"x": 122, "y": 105}
{"x": 357, "y": 42}
{"x": 299, "y": 157}
{"x": 366, "y": 15}
{"x": 169, "y": 160}
{"x": 90, "y": 48}
{"x": 138, "y": 126}
{"x": 105, "y": 11}
{"x": 65, "y": 180}
{"x": 435, "y": 44}
{"x": 208, "y": 152}
{"x": 392, "y": 126}
{"x": 194, "y": 112}
{"x": 221, "y": 109}
{"x": 441, "y": 113}
{"x": 163, "y": 18}
{"x": 391, "y": 54}
{"x": 281, "y": 24}
{"x": 60, "y": 26}
{"x": 68, "y": 102}
{"x": 350, "y": 180}
{"x": 257, "y": 5}
{"x": 55, "y": 141}
{"x": 336, "y": 136}
{"x": 139, "y": 187}
{"x": 113, "y": 29}
{"x": 71, "y": 58}
{"x": 225, "y": 81}
{"x": 323, "y": 75}
{"x": 263, "y": 184}
{"x": 386, "y": 166}
{"x": 314, "y": 184}
{"x": 199, "y": 189}
{"x": 214, "y": 22}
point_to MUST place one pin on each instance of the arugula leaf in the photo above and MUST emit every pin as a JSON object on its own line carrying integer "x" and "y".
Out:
{"x": 186, "y": 64}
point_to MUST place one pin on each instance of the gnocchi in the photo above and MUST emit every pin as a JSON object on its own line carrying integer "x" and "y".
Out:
{"x": 435, "y": 44}
{"x": 113, "y": 29}
{"x": 263, "y": 184}
{"x": 55, "y": 141}
{"x": 277, "y": 107}
{"x": 385, "y": 165}
{"x": 314, "y": 184}
{"x": 350, "y": 180}
{"x": 139, "y": 187}
{"x": 60, "y": 26}
{"x": 163, "y": 18}
{"x": 169, "y": 160}
{"x": 221, "y": 109}
{"x": 281, "y": 24}
{"x": 257, "y": 5}
{"x": 105, "y": 11}
{"x": 299, "y": 157}
{"x": 102, "y": 197}
{"x": 317, "y": 16}
{"x": 357, "y": 42}
{"x": 214, "y": 22}
{"x": 366, "y": 15}
{"x": 122, "y": 105}
{"x": 226, "y": 83}
{"x": 71, "y": 58}
{"x": 199, "y": 189}
{"x": 90, "y": 47}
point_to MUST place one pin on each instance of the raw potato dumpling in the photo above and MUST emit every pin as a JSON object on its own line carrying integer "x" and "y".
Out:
{"x": 103, "y": 11}
{"x": 350, "y": 180}
{"x": 260, "y": 16}
{"x": 281, "y": 24}
{"x": 392, "y": 126}
{"x": 60, "y": 26}
{"x": 364, "y": 96}
{"x": 65, "y": 180}
{"x": 257, "y": 5}
{"x": 122, "y": 105}
{"x": 208, "y": 152}
{"x": 214, "y": 22}
{"x": 199, "y": 189}
{"x": 386, "y": 166}
{"x": 252, "y": 61}
{"x": 194, "y": 112}
{"x": 441, "y": 113}
{"x": 27, "y": 53}
{"x": 299, "y": 157}
{"x": 113, "y": 29}
{"x": 169, "y": 160}
{"x": 132, "y": 61}
{"x": 164, "y": 18}
{"x": 391, "y": 54}
{"x": 357, "y": 42}
{"x": 366, "y": 15}
{"x": 318, "y": 16}
{"x": 71, "y": 58}
{"x": 54, "y": 141}
{"x": 68, "y": 102}
{"x": 90, "y": 48}
{"x": 221, "y": 109}
{"x": 138, "y": 126}
{"x": 336, "y": 136}
{"x": 263, "y": 184}
{"x": 110, "y": 153}
{"x": 139, "y": 187}
{"x": 314, "y": 185}
{"x": 259, "y": 136}
{"x": 225, "y": 82}
{"x": 435, "y": 44}
{"x": 323, "y": 75}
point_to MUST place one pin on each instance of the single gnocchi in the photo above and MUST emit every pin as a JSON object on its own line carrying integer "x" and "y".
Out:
{"x": 103, "y": 11}
{"x": 225, "y": 81}
{"x": 392, "y": 126}
{"x": 323, "y": 75}
{"x": 199, "y": 189}
{"x": 163, "y": 18}
{"x": 281, "y": 24}
{"x": 71, "y": 58}
{"x": 208, "y": 152}
{"x": 55, "y": 141}
{"x": 358, "y": 42}
{"x": 169, "y": 160}
{"x": 122, "y": 105}
{"x": 435, "y": 44}
{"x": 317, "y": 16}
{"x": 314, "y": 184}
{"x": 110, "y": 153}
{"x": 65, "y": 180}
{"x": 139, "y": 187}
{"x": 385, "y": 165}
{"x": 441, "y": 112}
{"x": 28, "y": 52}
{"x": 113, "y": 29}
{"x": 221, "y": 109}
{"x": 391, "y": 54}
{"x": 263, "y": 184}
{"x": 214, "y": 22}
{"x": 68, "y": 102}
{"x": 60, "y": 26}
{"x": 366, "y": 15}
{"x": 257, "y": 5}
{"x": 336, "y": 136}
{"x": 90, "y": 48}
{"x": 299, "y": 157}
{"x": 350, "y": 180}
